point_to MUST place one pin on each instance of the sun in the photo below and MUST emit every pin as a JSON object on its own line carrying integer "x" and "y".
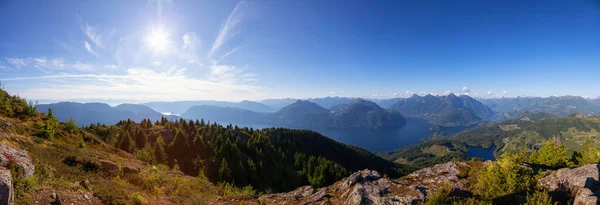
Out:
{"x": 158, "y": 40}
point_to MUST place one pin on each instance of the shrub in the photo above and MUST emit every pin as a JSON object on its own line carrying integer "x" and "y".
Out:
{"x": 71, "y": 161}
{"x": 539, "y": 197}
{"x": 71, "y": 125}
{"x": 227, "y": 189}
{"x": 442, "y": 195}
{"x": 90, "y": 166}
{"x": 138, "y": 199}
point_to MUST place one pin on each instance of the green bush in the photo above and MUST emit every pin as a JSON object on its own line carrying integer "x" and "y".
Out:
{"x": 138, "y": 199}
{"x": 539, "y": 197}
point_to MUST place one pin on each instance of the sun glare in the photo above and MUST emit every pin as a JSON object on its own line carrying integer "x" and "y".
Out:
{"x": 158, "y": 40}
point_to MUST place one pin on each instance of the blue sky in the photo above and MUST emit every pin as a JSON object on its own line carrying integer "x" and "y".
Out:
{"x": 138, "y": 51}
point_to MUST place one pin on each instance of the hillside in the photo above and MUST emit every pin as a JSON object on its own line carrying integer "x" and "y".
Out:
{"x": 446, "y": 111}
{"x": 529, "y": 132}
{"x": 362, "y": 113}
{"x": 225, "y": 115}
{"x": 179, "y": 107}
{"x": 509, "y": 108}
{"x": 140, "y": 162}
{"x": 88, "y": 113}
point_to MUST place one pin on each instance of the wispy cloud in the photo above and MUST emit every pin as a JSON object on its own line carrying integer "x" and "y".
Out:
{"x": 227, "y": 28}
{"x": 189, "y": 41}
{"x": 141, "y": 84}
{"x": 88, "y": 47}
{"x": 98, "y": 37}
{"x": 17, "y": 62}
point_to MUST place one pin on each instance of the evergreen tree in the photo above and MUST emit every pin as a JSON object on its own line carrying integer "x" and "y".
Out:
{"x": 589, "y": 153}
{"x": 224, "y": 171}
{"x": 141, "y": 139}
{"x": 159, "y": 151}
{"x": 126, "y": 142}
{"x": 553, "y": 154}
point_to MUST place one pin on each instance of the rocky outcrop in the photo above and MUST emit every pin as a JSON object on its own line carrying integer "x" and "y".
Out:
{"x": 581, "y": 183}
{"x": 18, "y": 156}
{"x": 10, "y": 155}
{"x": 369, "y": 187}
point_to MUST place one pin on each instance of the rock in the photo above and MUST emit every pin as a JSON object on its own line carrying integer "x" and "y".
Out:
{"x": 581, "y": 183}
{"x": 56, "y": 198}
{"x": 369, "y": 187}
{"x": 293, "y": 197}
{"x": 6, "y": 189}
{"x": 108, "y": 165}
{"x": 5, "y": 123}
{"x": 8, "y": 154}
{"x": 86, "y": 184}
{"x": 130, "y": 170}
{"x": 86, "y": 196}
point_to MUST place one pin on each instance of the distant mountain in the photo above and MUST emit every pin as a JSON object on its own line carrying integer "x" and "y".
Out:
{"x": 331, "y": 101}
{"x": 338, "y": 107}
{"x": 224, "y": 115}
{"x": 386, "y": 103}
{"x": 302, "y": 114}
{"x": 447, "y": 110}
{"x": 279, "y": 103}
{"x": 92, "y": 113}
{"x": 178, "y": 107}
{"x": 509, "y": 108}
{"x": 595, "y": 101}
{"x": 362, "y": 113}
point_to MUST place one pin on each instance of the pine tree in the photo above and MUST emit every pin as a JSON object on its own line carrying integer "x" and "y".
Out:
{"x": 159, "y": 151}
{"x": 589, "y": 153}
{"x": 127, "y": 142}
{"x": 141, "y": 139}
{"x": 224, "y": 171}
{"x": 553, "y": 154}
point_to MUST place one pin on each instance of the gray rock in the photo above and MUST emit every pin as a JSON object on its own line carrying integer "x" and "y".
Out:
{"x": 8, "y": 154}
{"x": 108, "y": 165}
{"x": 6, "y": 189}
{"x": 369, "y": 187}
{"x": 582, "y": 183}
{"x": 86, "y": 184}
{"x": 5, "y": 123}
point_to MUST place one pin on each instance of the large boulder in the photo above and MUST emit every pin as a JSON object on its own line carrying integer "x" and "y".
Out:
{"x": 369, "y": 187}
{"x": 10, "y": 155}
{"x": 6, "y": 188}
{"x": 18, "y": 156}
{"x": 581, "y": 183}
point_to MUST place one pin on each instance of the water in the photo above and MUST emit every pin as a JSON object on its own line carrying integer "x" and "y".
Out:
{"x": 480, "y": 152}
{"x": 375, "y": 140}
{"x": 381, "y": 139}
{"x": 378, "y": 140}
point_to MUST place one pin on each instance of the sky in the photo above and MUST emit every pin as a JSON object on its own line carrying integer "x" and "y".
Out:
{"x": 170, "y": 50}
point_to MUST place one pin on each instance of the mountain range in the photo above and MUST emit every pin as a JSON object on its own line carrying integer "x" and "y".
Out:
{"x": 304, "y": 114}
{"x": 179, "y": 107}
{"x": 509, "y": 108}
{"x": 450, "y": 110}
{"x": 92, "y": 113}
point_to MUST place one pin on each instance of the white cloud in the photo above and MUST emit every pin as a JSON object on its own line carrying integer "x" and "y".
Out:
{"x": 88, "y": 47}
{"x": 156, "y": 63}
{"x": 447, "y": 92}
{"x": 466, "y": 90}
{"x": 18, "y": 62}
{"x": 505, "y": 92}
{"x": 111, "y": 67}
{"x": 226, "y": 30}
{"x": 490, "y": 93}
{"x": 138, "y": 84}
